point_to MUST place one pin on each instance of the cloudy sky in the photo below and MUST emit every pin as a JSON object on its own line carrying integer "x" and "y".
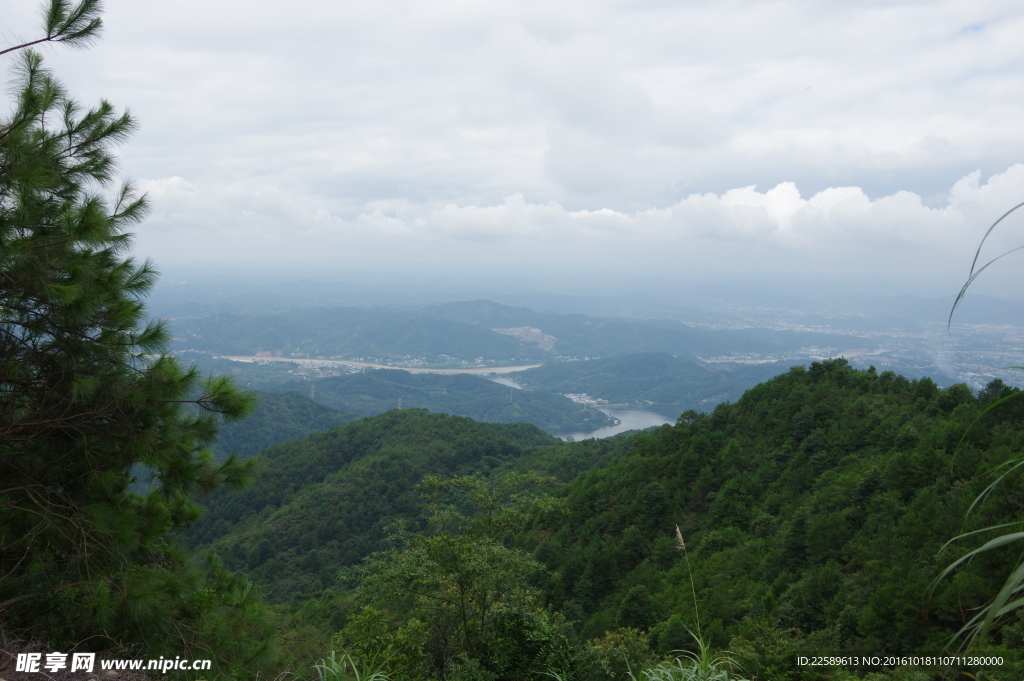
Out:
{"x": 754, "y": 135}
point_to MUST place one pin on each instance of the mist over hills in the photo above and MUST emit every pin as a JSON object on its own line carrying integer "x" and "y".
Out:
{"x": 348, "y": 332}
{"x": 466, "y": 330}
{"x": 662, "y": 383}
{"x": 296, "y": 402}
{"x": 896, "y": 322}
{"x": 375, "y": 392}
{"x": 696, "y": 297}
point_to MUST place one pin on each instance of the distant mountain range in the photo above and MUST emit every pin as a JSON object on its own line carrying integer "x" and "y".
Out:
{"x": 375, "y": 392}
{"x": 292, "y": 405}
{"x": 467, "y": 330}
{"x": 656, "y": 381}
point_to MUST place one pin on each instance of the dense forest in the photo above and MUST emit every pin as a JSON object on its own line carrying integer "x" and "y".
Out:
{"x": 324, "y": 502}
{"x": 373, "y": 392}
{"x": 656, "y": 381}
{"x": 814, "y": 510}
{"x": 278, "y": 417}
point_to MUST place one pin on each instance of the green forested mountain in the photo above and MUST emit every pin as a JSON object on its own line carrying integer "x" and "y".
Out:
{"x": 465, "y": 330}
{"x": 324, "y": 502}
{"x": 347, "y": 332}
{"x": 657, "y": 381}
{"x": 579, "y": 335}
{"x": 278, "y": 417}
{"x": 814, "y": 512}
{"x": 374, "y": 392}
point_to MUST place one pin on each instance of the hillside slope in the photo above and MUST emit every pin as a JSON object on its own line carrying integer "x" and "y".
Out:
{"x": 814, "y": 508}
{"x": 467, "y": 331}
{"x": 279, "y": 417}
{"x": 324, "y": 502}
{"x": 475, "y": 397}
{"x": 656, "y": 381}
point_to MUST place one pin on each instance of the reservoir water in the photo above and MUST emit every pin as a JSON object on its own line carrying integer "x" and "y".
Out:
{"x": 629, "y": 419}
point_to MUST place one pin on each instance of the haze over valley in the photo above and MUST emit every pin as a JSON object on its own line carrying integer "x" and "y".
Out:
{"x": 662, "y": 349}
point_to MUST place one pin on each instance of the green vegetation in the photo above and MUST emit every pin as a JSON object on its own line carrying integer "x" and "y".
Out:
{"x": 815, "y": 510}
{"x": 817, "y": 506}
{"x": 465, "y": 330}
{"x": 411, "y": 545}
{"x": 264, "y": 376}
{"x": 1008, "y": 600}
{"x": 325, "y": 502}
{"x": 374, "y": 392}
{"x": 278, "y": 417}
{"x": 468, "y": 587}
{"x": 656, "y": 381}
{"x": 87, "y": 397}
{"x": 347, "y": 332}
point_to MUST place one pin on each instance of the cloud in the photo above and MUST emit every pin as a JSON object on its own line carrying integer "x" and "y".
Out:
{"x": 628, "y": 102}
{"x": 740, "y": 227}
{"x": 688, "y": 132}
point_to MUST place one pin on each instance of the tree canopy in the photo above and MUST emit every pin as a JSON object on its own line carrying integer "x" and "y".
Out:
{"x": 88, "y": 400}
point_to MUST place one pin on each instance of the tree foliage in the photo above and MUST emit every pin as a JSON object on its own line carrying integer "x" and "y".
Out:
{"x": 1010, "y": 597}
{"x": 467, "y": 584}
{"x": 325, "y": 502}
{"x": 818, "y": 502}
{"x": 88, "y": 400}
{"x": 814, "y": 510}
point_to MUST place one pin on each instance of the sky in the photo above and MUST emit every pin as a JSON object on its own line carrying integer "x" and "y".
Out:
{"x": 848, "y": 139}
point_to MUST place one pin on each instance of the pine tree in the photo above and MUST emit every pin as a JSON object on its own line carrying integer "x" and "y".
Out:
{"x": 89, "y": 399}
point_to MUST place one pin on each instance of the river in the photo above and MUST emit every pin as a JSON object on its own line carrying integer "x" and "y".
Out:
{"x": 629, "y": 419}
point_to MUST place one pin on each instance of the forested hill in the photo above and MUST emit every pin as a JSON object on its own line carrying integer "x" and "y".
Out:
{"x": 467, "y": 331}
{"x": 814, "y": 512}
{"x": 656, "y": 381}
{"x": 580, "y": 335}
{"x": 319, "y": 403}
{"x": 324, "y": 502}
{"x": 374, "y": 392}
{"x": 347, "y": 332}
{"x": 279, "y": 417}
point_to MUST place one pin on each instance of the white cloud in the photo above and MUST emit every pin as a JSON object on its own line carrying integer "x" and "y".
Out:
{"x": 740, "y": 227}
{"x": 591, "y": 130}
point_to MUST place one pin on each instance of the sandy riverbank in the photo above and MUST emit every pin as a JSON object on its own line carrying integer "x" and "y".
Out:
{"x": 368, "y": 365}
